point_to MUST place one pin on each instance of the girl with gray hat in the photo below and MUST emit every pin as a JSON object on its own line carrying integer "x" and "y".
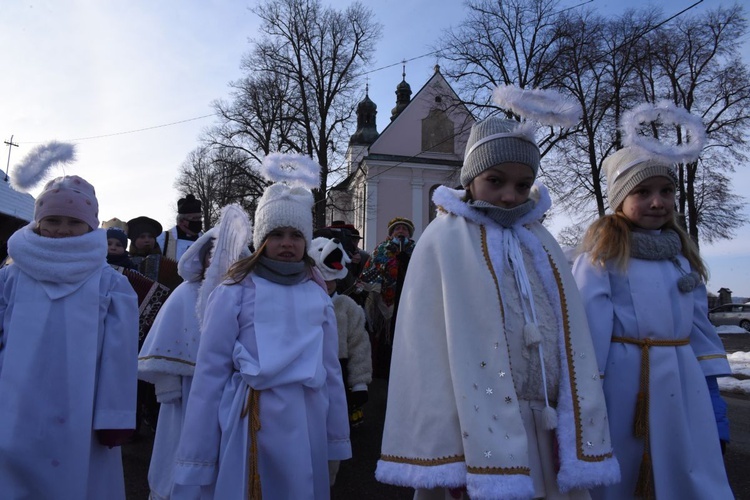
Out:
{"x": 642, "y": 281}
{"x": 497, "y": 391}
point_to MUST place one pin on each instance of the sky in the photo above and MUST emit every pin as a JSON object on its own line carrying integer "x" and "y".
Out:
{"x": 132, "y": 83}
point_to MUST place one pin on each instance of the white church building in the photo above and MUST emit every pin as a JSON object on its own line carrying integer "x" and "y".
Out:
{"x": 394, "y": 173}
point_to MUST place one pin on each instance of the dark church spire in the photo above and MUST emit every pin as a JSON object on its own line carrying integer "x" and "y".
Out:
{"x": 367, "y": 130}
{"x": 403, "y": 95}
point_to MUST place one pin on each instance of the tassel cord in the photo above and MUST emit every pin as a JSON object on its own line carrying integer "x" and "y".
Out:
{"x": 515, "y": 257}
{"x": 644, "y": 486}
{"x": 252, "y": 410}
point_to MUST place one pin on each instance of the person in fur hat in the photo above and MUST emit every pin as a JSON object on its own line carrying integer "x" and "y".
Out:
{"x": 267, "y": 408}
{"x": 68, "y": 353}
{"x": 178, "y": 324}
{"x": 383, "y": 277}
{"x": 175, "y": 241}
{"x": 643, "y": 283}
{"x": 498, "y": 393}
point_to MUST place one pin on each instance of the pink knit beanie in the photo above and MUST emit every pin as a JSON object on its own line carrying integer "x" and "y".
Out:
{"x": 69, "y": 196}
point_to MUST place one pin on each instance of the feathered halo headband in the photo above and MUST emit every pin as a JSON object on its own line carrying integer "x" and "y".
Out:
{"x": 37, "y": 163}
{"x": 291, "y": 169}
{"x": 664, "y": 112}
{"x": 547, "y": 107}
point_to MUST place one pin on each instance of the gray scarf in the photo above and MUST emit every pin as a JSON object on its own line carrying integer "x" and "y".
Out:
{"x": 665, "y": 245}
{"x": 283, "y": 273}
{"x": 506, "y": 217}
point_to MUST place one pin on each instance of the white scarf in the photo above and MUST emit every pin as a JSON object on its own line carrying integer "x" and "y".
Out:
{"x": 60, "y": 265}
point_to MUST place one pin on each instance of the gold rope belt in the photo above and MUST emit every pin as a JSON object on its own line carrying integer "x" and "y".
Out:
{"x": 252, "y": 409}
{"x": 645, "y": 485}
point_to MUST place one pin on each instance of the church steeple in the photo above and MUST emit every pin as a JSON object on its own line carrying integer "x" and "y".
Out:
{"x": 367, "y": 130}
{"x": 403, "y": 95}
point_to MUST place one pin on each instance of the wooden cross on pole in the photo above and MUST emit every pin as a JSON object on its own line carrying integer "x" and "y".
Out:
{"x": 10, "y": 144}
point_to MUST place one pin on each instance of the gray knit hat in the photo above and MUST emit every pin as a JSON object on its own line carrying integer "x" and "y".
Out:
{"x": 283, "y": 206}
{"x": 494, "y": 141}
{"x": 630, "y": 166}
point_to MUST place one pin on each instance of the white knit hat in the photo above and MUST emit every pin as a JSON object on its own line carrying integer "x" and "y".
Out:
{"x": 630, "y": 166}
{"x": 330, "y": 258}
{"x": 283, "y": 206}
{"x": 290, "y": 204}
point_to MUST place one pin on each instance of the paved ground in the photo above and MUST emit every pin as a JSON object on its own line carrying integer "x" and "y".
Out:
{"x": 356, "y": 479}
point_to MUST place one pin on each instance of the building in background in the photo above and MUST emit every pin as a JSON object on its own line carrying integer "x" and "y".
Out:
{"x": 394, "y": 173}
{"x": 16, "y": 210}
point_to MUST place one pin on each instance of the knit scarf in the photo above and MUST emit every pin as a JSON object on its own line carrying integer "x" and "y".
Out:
{"x": 506, "y": 217}
{"x": 61, "y": 265}
{"x": 283, "y": 273}
{"x": 664, "y": 245}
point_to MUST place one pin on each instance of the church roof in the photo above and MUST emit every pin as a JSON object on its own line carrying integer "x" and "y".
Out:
{"x": 14, "y": 203}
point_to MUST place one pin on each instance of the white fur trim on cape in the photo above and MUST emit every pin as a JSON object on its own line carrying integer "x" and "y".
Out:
{"x": 666, "y": 113}
{"x": 447, "y": 476}
{"x": 486, "y": 487}
{"x": 451, "y": 200}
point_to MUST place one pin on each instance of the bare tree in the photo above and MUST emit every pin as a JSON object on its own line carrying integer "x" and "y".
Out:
{"x": 610, "y": 64}
{"x": 316, "y": 53}
{"x": 696, "y": 65}
{"x": 218, "y": 177}
{"x": 501, "y": 42}
{"x": 598, "y": 67}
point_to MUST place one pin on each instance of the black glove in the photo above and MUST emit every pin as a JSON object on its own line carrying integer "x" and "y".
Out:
{"x": 359, "y": 398}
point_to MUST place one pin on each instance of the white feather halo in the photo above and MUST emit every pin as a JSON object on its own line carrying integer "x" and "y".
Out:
{"x": 666, "y": 113}
{"x": 36, "y": 164}
{"x": 292, "y": 169}
{"x": 547, "y": 107}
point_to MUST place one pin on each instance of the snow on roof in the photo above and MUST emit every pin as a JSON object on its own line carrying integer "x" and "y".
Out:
{"x": 14, "y": 203}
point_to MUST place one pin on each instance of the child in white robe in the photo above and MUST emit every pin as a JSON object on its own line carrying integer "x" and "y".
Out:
{"x": 267, "y": 407}
{"x": 642, "y": 281}
{"x": 494, "y": 389}
{"x": 68, "y": 354}
{"x": 167, "y": 358}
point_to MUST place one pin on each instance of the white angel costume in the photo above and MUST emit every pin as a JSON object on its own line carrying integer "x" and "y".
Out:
{"x": 167, "y": 360}
{"x": 68, "y": 350}
{"x": 267, "y": 402}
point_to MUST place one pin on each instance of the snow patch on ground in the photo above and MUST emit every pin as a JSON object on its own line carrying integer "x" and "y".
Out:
{"x": 740, "y": 382}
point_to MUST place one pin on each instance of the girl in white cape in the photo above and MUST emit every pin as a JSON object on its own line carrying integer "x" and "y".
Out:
{"x": 496, "y": 389}
{"x": 642, "y": 281}
{"x": 68, "y": 354}
{"x": 267, "y": 407}
{"x": 167, "y": 358}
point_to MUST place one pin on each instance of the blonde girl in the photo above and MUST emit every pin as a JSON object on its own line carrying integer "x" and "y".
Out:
{"x": 642, "y": 281}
